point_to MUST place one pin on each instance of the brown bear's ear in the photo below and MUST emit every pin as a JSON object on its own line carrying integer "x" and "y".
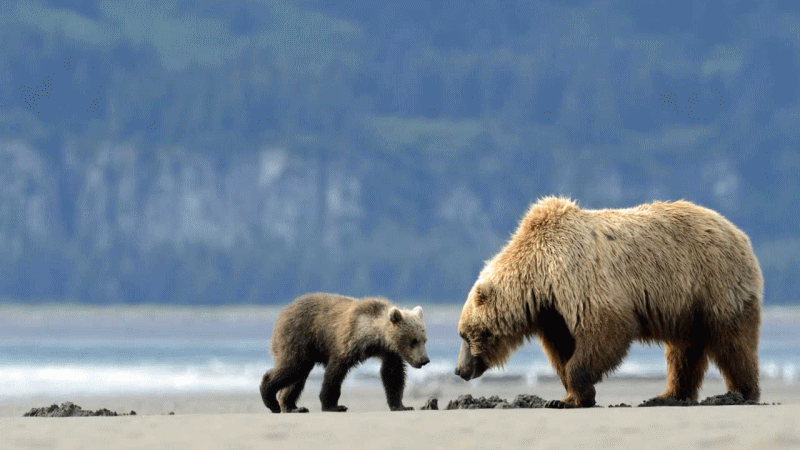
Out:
{"x": 482, "y": 293}
{"x": 417, "y": 311}
{"x": 395, "y": 316}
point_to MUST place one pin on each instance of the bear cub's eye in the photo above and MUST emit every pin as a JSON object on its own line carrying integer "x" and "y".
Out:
{"x": 414, "y": 342}
{"x": 486, "y": 334}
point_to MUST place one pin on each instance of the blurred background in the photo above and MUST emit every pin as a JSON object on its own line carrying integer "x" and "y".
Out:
{"x": 248, "y": 152}
{"x": 190, "y": 153}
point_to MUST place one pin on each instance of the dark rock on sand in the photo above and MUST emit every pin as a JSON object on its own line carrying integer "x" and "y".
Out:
{"x": 731, "y": 398}
{"x": 528, "y": 401}
{"x": 534, "y": 401}
{"x": 667, "y": 402}
{"x": 70, "y": 409}
{"x": 431, "y": 404}
{"x": 522, "y": 401}
{"x": 468, "y": 402}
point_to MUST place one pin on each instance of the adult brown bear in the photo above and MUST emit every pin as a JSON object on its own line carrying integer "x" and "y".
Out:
{"x": 589, "y": 282}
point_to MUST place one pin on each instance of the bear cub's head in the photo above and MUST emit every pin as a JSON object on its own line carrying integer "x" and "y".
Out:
{"x": 406, "y": 334}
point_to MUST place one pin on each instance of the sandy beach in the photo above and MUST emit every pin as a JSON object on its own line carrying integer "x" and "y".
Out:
{"x": 240, "y": 421}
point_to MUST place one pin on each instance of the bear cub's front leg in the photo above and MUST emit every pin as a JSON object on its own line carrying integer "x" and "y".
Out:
{"x": 393, "y": 375}
{"x": 332, "y": 388}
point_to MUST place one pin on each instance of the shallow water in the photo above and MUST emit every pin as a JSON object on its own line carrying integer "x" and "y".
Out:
{"x": 53, "y": 349}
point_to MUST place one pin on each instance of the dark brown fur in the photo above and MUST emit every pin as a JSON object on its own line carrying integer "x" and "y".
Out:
{"x": 340, "y": 332}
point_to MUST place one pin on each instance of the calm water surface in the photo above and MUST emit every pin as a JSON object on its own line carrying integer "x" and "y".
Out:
{"x": 64, "y": 350}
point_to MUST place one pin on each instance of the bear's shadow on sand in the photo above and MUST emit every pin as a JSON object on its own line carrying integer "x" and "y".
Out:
{"x": 467, "y": 401}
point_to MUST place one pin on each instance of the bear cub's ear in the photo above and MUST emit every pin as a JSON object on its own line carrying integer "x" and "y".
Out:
{"x": 395, "y": 316}
{"x": 417, "y": 311}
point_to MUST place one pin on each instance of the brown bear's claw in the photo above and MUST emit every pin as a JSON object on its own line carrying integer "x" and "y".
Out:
{"x": 557, "y": 404}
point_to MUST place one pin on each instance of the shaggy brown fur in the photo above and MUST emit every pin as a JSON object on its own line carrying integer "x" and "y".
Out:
{"x": 340, "y": 332}
{"x": 589, "y": 282}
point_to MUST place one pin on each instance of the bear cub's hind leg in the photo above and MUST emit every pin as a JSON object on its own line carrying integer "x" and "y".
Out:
{"x": 272, "y": 382}
{"x": 270, "y": 401}
{"x": 290, "y": 395}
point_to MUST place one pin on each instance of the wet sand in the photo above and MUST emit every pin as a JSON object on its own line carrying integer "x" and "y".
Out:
{"x": 240, "y": 421}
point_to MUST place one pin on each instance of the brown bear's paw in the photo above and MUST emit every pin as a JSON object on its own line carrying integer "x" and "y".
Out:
{"x": 558, "y": 404}
{"x": 401, "y": 408}
{"x": 580, "y": 401}
{"x": 337, "y": 408}
{"x": 301, "y": 409}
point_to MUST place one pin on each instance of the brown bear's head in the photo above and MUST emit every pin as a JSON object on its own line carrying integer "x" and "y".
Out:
{"x": 498, "y": 314}
{"x": 485, "y": 339}
{"x": 407, "y": 336}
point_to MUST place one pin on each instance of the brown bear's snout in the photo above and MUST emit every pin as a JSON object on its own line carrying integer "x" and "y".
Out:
{"x": 468, "y": 366}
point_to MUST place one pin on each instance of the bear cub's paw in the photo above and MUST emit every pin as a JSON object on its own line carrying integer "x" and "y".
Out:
{"x": 402, "y": 408}
{"x": 300, "y": 409}
{"x": 337, "y": 408}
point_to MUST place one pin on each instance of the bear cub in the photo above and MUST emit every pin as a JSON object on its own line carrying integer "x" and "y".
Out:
{"x": 340, "y": 332}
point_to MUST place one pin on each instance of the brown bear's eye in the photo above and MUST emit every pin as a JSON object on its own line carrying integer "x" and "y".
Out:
{"x": 414, "y": 342}
{"x": 486, "y": 334}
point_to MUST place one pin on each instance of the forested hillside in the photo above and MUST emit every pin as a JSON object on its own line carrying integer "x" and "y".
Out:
{"x": 198, "y": 152}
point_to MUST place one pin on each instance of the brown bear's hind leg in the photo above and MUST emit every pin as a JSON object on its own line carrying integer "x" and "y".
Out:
{"x": 332, "y": 387}
{"x": 687, "y": 362}
{"x": 393, "y": 375}
{"x": 290, "y": 395}
{"x": 737, "y": 359}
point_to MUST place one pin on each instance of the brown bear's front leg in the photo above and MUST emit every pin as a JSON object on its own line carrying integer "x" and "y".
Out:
{"x": 581, "y": 392}
{"x": 393, "y": 374}
{"x": 556, "y": 355}
{"x": 587, "y": 366}
{"x": 557, "y": 341}
{"x": 332, "y": 387}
